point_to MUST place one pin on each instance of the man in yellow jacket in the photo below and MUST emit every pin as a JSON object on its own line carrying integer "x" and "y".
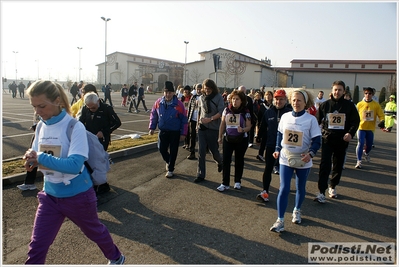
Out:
{"x": 369, "y": 110}
{"x": 390, "y": 114}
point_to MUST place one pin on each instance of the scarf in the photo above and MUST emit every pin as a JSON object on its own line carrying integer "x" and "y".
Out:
{"x": 208, "y": 100}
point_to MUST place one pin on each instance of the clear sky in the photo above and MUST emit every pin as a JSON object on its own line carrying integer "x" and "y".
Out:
{"x": 46, "y": 34}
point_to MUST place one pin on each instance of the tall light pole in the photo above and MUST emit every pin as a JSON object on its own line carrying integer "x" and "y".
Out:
{"x": 105, "y": 61}
{"x": 80, "y": 48}
{"x": 185, "y": 63}
{"x": 16, "y": 70}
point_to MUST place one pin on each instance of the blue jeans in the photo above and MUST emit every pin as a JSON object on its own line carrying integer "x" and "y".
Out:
{"x": 169, "y": 140}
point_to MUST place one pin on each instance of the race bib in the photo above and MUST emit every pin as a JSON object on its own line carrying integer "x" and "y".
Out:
{"x": 336, "y": 121}
{"x": 54, "y": 150}
{"x": 232, "y": 120}
{"x": 368, "y": 115}
{"x": 293, "y": 138}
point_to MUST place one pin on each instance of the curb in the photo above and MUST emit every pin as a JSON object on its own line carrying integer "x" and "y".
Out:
{"x": 116, "y": 154}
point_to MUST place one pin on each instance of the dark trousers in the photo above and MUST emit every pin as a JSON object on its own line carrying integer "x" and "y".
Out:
{"x": 262, "y": 147}
{"x": 140, "y": 99}
{"x": 73, "y": 99}
{"x": 239, "y": 150}
{"x": 31, "y": 176}
{"x": 208, "y": 139}
{"x": 169, "y": 140}
{"x": 108, "y": 97}
{"x": 132, "y": 102}
{"x": 192, "y": 135}
{"x": 335, "y": 151}
{"x": 269, "y": 164}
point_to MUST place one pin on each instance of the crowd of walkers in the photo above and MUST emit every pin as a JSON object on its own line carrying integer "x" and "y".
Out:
{"x": 289, "y": 128}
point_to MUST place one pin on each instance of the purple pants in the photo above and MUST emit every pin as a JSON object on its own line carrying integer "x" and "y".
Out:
{"x": 81, "y": 210}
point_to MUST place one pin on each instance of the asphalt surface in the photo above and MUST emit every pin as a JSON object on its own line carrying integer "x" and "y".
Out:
{"x": 155, "y": 220}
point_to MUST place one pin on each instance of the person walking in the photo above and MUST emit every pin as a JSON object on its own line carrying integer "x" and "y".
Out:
{"x": 369, "y": 110}
{"x": 140, "y": 98}
{"x": 74, "y": 92}
{"x": 21, "y": 89}
{"x": 107, "y": 94}
{"x": 192, "y": 119}
{"x": 266, "y": 104}
{"x": 268, "y": 135}
{"x": 250, "y": 106}
{"x": 298, "y": 140}
{"x": 68, "y": 189}
{"x": 210, "y": 109}
{"x": 339, "y": 120}
{"x": 390, "y": 114}
{"x": 124, "y": 94}
{"x": 185, "y": 99}
{"x": 99, "y": 118}
{"x": 132, "y": 96}
{"x": 169, "y": 115}
{"x": 13, "y": 87}
{"x": 233, "y": 134}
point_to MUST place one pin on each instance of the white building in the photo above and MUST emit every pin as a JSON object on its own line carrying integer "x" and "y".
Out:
{"x": 235, "y": 69}
{"x": 322, "y": 73}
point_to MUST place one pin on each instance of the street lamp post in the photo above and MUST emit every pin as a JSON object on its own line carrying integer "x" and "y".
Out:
{"x": 16, "y": 70}
{"x": 80, "y": 48}
{"x": 105, "y": 61}
{"x": 185, "y": 63}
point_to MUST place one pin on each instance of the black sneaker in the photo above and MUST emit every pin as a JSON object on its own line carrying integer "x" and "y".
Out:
{"x": 191, "y": 156}
{"x": 102, "y": 188}
{"x": 199, "y": 180}
{"x": 220, "y": 167}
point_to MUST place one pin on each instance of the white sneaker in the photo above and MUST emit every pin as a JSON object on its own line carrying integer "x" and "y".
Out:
{"x": 332, "y": 192}
{"x": 367, "y": 157}
{"x": 296, "y": 217}
{"x": 169, "y": 174}
{"x": 358, "y": 165}
{"x": 320, "y": 198}
{"x": 278, "y": 226}
{"x": 25, "y": 187}
{"x": 222, "y": 188}
{"x": 237, "y": 186}
{"x": 250, "y": 145}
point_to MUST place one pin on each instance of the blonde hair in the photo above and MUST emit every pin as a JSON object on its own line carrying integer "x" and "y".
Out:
{"x": 51, "y": 90}
{"x": 306, "y": 95}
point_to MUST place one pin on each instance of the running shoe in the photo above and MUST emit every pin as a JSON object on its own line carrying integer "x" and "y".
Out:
{"x": 278, "y": 226}
{"x": 263, "y": 196}
{"x": 296, "y": 217}
{"x": 320, "y": 198}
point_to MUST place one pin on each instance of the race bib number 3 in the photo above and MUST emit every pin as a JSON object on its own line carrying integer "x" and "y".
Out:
{"x": 293, "y": 138}
{"x": 336, "y": 121}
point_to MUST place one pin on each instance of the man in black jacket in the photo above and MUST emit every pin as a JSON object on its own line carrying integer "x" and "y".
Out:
{"x": 132, "y": 97}
{"x": 140, "y": 98}
{"x": 192, "y": 119}
{"x": 99, "y": 118}
{"x": 340, "y": 120}
{"x": 250, "y": 106}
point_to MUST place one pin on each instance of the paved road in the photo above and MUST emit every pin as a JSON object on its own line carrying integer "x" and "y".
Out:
{"x": 155, "y": 220}
{"x": 17, "y": 117}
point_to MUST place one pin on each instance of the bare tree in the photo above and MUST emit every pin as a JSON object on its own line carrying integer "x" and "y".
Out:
{"x": 195, "y": 76}
{"x": 226, "y": 77}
